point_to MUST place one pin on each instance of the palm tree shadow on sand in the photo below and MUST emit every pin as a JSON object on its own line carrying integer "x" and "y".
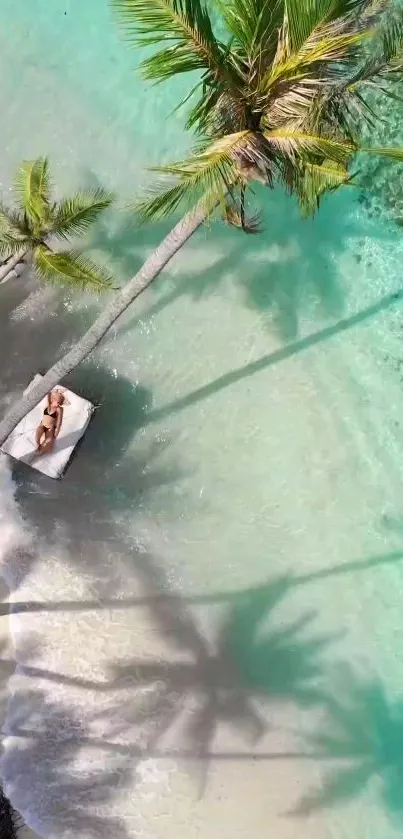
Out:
{"x": 173, "y": 707}
{"x": 41, "y": 772}
{"x": 230, "y": 677}
{"x": 362, "y": 729}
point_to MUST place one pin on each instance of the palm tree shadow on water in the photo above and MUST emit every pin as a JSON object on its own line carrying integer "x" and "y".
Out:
{"x": 105, "y": 480}
{"x": 284, "y": 272}
{"x": 83, "y": 511}
{"x": 244, "y": 662}
{"x": 284, "y": 663}
{"x": 362, "y": 737}
{"x": 35, "y": 325}
{"x": 41, "y": 771}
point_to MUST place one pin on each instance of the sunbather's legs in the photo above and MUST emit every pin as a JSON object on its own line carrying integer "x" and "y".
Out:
{"x": 47, "y": 444}
{"x": 39, "y": 434}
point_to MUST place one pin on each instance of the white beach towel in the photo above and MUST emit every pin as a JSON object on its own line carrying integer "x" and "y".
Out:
{"x": 21, "y": 444}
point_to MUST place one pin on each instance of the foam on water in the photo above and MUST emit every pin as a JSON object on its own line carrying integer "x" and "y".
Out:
{"x": 15, "y": 534}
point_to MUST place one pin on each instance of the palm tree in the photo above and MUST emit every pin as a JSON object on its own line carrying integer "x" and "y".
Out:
{"x": 279, "y": 100}
{"x": 38, "y": 221}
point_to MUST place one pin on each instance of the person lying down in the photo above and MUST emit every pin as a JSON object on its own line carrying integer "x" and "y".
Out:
{"x": 49, "y": 428}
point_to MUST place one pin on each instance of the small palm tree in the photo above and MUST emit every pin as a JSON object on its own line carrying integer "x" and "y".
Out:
{"x": 38, "y": 221}
{"x": 282, "y": 95}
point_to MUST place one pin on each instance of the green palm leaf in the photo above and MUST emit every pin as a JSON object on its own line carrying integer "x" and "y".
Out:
{"x": 74, "y": 216}
{"x": 304, "y": 16}
{"x": 297, "y": 145}
{"x": 385, "y": 60}
{"x": 186, "y": 23}
{"x": 284, "y": 86}
{"x": 14, "y": 234}
{"x": 32, "y": 185}
{"x": 316, "y": 180}
{"x": 391, "y": 153}
{"x": 206, "y": 176}
{"x": 392, "y": 40}
{"x": 70, "y": 267}
{"x": 254, "y": 24}
{"x": 324, "y": 58}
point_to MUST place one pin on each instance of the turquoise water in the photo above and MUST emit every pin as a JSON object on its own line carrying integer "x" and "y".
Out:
{"x": 208, "y": 607}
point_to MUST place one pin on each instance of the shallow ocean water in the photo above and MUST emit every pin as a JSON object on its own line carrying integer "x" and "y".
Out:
{"x": 207, "y": 609}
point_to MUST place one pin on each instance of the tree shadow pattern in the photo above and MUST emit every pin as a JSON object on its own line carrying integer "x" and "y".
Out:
{"x": 232, "y": 670}
{"x": 104, "y": 480}
{"x": 10, "y": 822}
{"x": 42, "y": 777}
{"x": 363, "y": 729}
{"x": 173, "y": 707}
{"x": 36, "y": 324}
{"x": 224, "y": 679}
{"x": 284, "y": 272}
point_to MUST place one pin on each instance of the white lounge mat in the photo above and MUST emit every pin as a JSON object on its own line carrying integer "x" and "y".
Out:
{"x": 21, "y": 444}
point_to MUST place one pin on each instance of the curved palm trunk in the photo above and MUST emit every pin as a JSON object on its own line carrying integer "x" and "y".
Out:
{"x": 120, "y": 302}
{"x": 8, "y": 267}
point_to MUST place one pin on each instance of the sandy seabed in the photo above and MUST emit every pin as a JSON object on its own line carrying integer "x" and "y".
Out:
{"x": 216, "y": 584}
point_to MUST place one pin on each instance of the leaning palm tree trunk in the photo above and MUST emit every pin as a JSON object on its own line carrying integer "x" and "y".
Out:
{"x": 118, "y": 305}
{"x": 12, "y": 262}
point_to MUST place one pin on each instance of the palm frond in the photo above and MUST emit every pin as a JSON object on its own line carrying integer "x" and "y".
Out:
{"x": 392, "y": 36}
{"x": 254, "y": 24}
{"x": 200, "y": 115}
{"x": 279, "y": 100}
{"x": 391, "y": 153}
{"x": 70, "y": 267}
{"x": 32, "y": 186}
{"x": 12, "y": 220}
{"x": 207, "y": 176}
{"x": 297, "y": 145}
{"x": 304, "y": 16}
{"x": 383, "y": 60}
{"x": 386, "y": 59}
{"x": 75, "y": 215}
{"x": 235, "y": 214}
{"x": 14, "y": 234}
{"x": 340, "y": 112}
{"x": 316, "y": 180}
{"x": 10, "y": 246}
{"x": 184, "y": 23}
{"x": 324, "y": 59}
